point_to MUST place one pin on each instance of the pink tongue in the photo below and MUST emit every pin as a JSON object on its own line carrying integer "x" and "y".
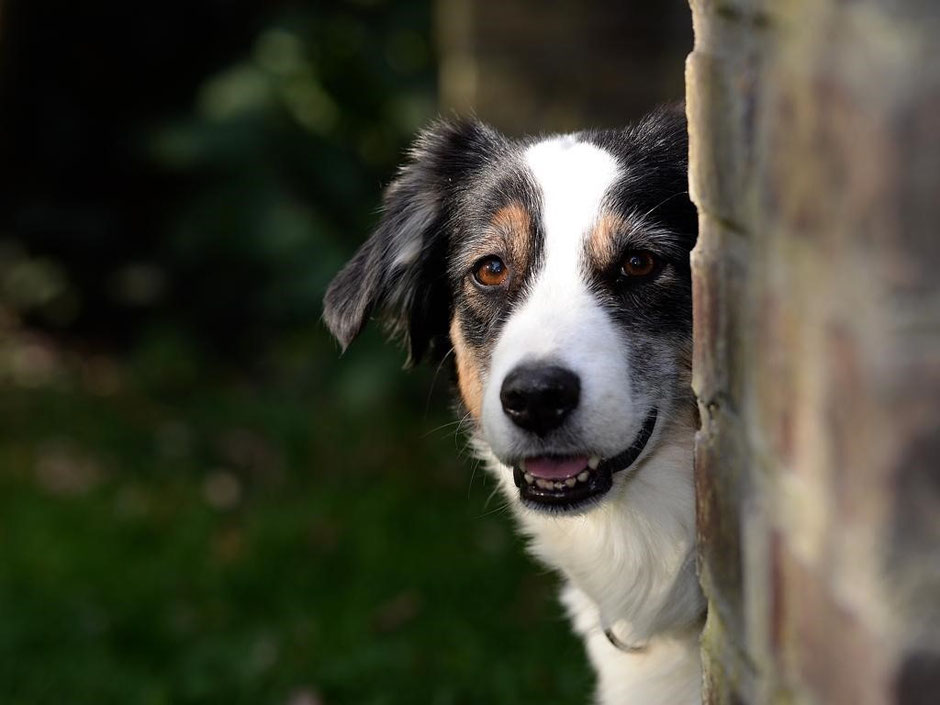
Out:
{"x": 556, "y": 468}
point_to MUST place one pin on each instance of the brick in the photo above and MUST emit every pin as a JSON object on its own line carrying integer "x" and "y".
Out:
{"x": 834, "y": 655}
{"x": 718, "y": 103}
{"x": 719, "y": 289}
{"x": 724, "y": 675}
{"x": 918, "y": 680}
{"x": 814, "y": 165}
{"x": 720, "y": 471}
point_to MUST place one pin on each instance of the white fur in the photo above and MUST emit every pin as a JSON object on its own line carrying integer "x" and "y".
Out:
{"x": 627, "y": 562}
{"x": 628, "y": 566}
{"x": 559, "y": 319}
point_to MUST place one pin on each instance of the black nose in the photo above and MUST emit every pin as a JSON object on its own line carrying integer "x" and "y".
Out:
{"x": 539, "y": 397}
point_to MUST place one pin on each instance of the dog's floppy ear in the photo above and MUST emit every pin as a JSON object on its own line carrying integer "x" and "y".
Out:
{"x": 400, "y": 272}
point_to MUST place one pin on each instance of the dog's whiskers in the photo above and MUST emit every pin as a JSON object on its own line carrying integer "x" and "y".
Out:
{"x": 460, "y": 424}
{"x": 486, "y": 504}
{"x": 473, "y": 472}
{"x": 501, "y": 509}
{"x": 437, "y": 372}
{"x": 442, "y": 427}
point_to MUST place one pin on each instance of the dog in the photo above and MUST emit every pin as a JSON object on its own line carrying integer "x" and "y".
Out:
{"x": 553, "y": 274}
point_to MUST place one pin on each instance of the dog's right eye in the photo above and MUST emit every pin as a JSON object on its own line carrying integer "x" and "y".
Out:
{"x": 639, "y": 264}
{"x": 490, "y": 271}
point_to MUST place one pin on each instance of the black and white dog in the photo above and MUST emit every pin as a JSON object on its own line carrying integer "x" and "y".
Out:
{"x": 556, "y": 272}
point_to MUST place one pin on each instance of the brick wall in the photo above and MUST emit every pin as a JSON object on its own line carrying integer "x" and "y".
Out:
{"x": 815, "y": 165}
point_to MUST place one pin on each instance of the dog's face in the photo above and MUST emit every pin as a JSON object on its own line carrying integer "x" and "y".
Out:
{"x": 556, "y": 272}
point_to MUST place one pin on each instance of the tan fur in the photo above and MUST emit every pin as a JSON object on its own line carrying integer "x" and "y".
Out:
{"x": 469, "y": 378}
{"x": 512, "y": 217}
{"x": 512, "y": 224}
{"x": 601, "y": 244}
{"x": 508, "y": 238}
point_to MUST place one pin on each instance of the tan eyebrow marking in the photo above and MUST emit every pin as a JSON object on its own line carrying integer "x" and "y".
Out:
{"x": 602, "y": 247}
{"x": 513, "y": 225}
{"x": 512, "y": 218}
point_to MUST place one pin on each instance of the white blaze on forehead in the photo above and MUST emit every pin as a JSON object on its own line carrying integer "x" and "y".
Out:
{"x": 573, "y": 178}
{"x": 560, "y": 320}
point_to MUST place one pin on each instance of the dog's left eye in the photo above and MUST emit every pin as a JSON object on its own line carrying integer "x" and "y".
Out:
{"x": 637, "y": 264}
{"x": 490, "y": 271}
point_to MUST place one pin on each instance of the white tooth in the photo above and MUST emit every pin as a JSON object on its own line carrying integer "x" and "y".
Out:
{"x": 559, "y": 486}
{"x": 571, "y": 481}
{"x": 529, "y": 479}
{"x": 594, "y": 462}
{"x": 544, "y": 484}
{"x": 583, "y": 476}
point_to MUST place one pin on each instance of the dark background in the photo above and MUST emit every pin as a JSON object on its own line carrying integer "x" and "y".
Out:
{"x": 199, "y": 500}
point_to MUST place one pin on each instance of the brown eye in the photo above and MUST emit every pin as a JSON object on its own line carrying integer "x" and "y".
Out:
{"x": 490, "y": 271}
{"x": 638, "y": 264}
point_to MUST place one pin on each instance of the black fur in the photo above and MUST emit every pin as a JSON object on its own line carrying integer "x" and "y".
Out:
{"x": 412, "y": 297}
{"x": 458, "y": 174}
{"x": 655, "y": 150}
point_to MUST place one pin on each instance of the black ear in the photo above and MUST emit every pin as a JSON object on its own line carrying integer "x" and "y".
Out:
{"x": 400, "y": 272}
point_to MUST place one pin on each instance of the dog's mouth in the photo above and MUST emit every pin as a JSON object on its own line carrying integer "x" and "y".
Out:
{"x": 567, "y": 482}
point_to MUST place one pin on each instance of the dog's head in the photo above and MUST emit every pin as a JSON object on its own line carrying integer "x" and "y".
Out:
{"x": 556, "y": 270}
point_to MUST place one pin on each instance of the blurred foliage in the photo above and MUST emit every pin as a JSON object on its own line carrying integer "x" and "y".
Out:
{"x": 224, "y": 203}
{"x": 199, "y": 502}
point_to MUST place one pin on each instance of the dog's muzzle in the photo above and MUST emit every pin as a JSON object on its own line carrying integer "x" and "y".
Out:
{"x": 571, "y": 481}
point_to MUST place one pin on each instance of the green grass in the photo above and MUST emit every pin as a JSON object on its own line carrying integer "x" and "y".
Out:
{"x": 236, "y": 543}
